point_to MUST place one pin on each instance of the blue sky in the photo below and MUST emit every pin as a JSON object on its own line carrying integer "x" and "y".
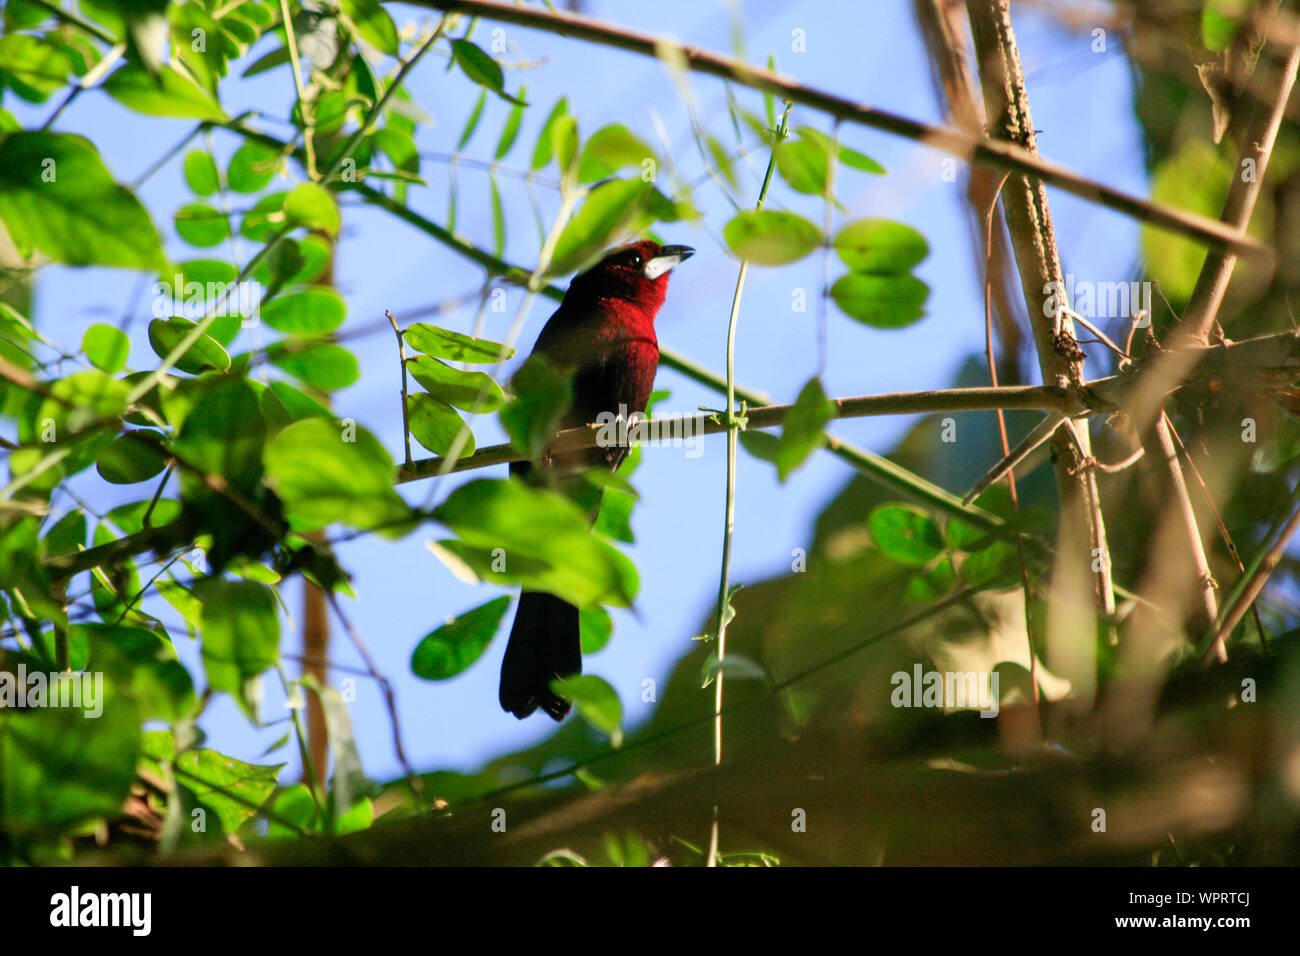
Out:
{"x": 867, "y": 51}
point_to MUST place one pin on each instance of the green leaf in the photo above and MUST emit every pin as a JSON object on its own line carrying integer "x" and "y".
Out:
{"x": 804, "y": 428}
{"x": 292, "y": 262}
{"x": 130, "y": 517}
{"x": 172, "y": 93}
{"x": 201, "y": 225}
{"x": 849, "y": 157}
{"x": 231, "y": 789}
{"x": 471, "y": 124}
{"x": 880, "y": 246}
{"x": 323, "y": 477}
{"x": 498, "y": 221}
{"x": 141, "y": 663}
{"x": 59, "y": 769}
{"x": 132, "y": 459}
{"x": 106, "y": 347}
{"x": 771, "y": 238}
{"x": 201, "y": 173}
{"x": 855, "y": 160}
{"x": 545, "y": 147}
{"x": 57, "y": 198}
{"x": 265, "y": 219}
{"x": 510, "y": 132}
{"x": 252, "y": 167}
{"x": 453, "y": 648}
{"x": 722, "y": 161}
{"x": 67, "y": 534}
{"x": 762, "y": 445}
{"x": 804, "y": 164}
{"x": 541, "y": 397}
{"x": 544, "y": 539}
{"x": 201, "y": 283}
{"x": 930, "y": 584}
{"x": 480, "y": 68}
{"x": 886, "y": 302}
{"x": 325, "y": 367}
{"x": 472, "y": 391}
{"x": 597, "y": 704}
{"x": 454, "y": 346}
{"x": 996, "y": 566}
{"x": 611, "y": 209}
{"x": 206, "y": 353}
{"x": 906, "y": 534}
{"x": 436, "y": 425}
{"x": 610, "y": 149}
{"x": 223, "y": 431}
{"x": 240, "y": 624}
{"x": 80, "y": 399}
{"x": 298, "y": 404}
{"x": 398, "y": 146}
{"x": 615, "y": 517}
{"x": 565, "y": 137}
{"x": 373, "y": 24}
{"x": 267, "y": 61}
{"x": 313, "y": 206}
{"x": 311, "y": 312}
{"x": 294, "y": 805}
{"x": 32, "y": 67}
{"x": 596, "y": 627}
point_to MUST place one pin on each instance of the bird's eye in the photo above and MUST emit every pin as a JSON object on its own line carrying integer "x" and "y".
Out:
{"x": 634, "y": 260}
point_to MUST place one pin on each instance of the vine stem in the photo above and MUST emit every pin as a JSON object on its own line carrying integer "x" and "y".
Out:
{"x": 733, "y": 426}
{"x": 308, "y": 122}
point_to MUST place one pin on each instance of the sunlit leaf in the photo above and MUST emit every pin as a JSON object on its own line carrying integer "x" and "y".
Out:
{"x": 880, "y": 246}
{"x": 57, "y": 198}
{"x": 803, "y": 431}
{"x": 455, "y": 346}
{"x": 883, "y": 301}
{"x": 905, "y": 533}
{"x": 770, "y": 237}
{"x": 454, "y": 647}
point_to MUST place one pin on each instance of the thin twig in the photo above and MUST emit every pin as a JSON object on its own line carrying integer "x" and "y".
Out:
{"x": 1254, "y": 585}
{"x": 417, "y": 788}
{"x": 401, "y": 357}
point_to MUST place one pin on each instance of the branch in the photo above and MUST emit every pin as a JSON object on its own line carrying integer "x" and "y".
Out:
{"x": 1250, "y": 587}
{"x": 1003, "y": 155}
{"x": 1039, "y": 397}
{"x": 1082, "y": 536}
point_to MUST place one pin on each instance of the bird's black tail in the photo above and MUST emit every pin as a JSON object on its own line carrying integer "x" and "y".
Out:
{"x": 545, "y": 643}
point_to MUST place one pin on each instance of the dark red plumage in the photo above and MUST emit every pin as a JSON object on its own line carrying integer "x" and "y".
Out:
{"x": 603, "y": 335}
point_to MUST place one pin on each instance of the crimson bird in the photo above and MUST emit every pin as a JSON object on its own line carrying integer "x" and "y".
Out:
{"x": 603, "y": 335}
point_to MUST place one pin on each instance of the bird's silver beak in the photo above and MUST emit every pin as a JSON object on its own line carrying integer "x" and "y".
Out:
{"x": 669, "y": 257}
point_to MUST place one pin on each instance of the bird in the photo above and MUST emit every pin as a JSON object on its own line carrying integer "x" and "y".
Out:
{"x": 603, "y": 337}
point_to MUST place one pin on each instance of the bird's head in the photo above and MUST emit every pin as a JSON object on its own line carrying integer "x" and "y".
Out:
{"x": 636, "y": 272}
